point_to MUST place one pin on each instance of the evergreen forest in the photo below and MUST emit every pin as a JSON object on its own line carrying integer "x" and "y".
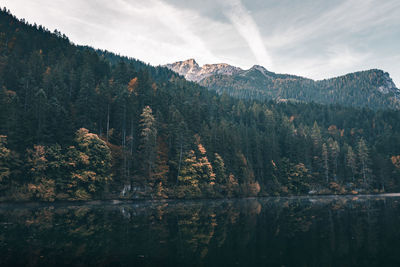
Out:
{"x": 79, "y": 123}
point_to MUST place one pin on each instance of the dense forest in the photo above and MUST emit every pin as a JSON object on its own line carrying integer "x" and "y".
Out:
{"x": 79, "y": 123}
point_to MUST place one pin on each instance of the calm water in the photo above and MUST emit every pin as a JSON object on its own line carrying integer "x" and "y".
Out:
{"x": 319, "y": 231}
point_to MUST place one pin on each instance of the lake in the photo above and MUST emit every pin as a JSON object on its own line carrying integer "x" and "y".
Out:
{"x": 297, "y": 231}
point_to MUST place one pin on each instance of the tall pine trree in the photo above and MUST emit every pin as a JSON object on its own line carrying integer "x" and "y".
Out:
{"x": 363, "y": 158}
{"x": 325, "y": 159}
{"x": 351, "y": 162}
{"x": 148, "y": 144}
{"x": 334, "y": 154}
{"x": 220, "y": 170}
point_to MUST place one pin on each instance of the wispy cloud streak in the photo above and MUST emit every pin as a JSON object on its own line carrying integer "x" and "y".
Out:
{"x": 248, "y": 29}
{"x": 347, "y": 18}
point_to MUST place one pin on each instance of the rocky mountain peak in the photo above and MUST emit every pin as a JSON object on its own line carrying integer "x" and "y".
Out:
{"x": 387, "y": 85}
{"x": 190, "y": 62}
{"x": 193, "y": 72}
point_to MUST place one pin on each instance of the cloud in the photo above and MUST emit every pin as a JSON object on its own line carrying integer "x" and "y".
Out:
{"x": 339, "y": 60}
{"x": 178, "y": 22}
{"x": 345, "y": 19}
{"x": 248, "y": 29}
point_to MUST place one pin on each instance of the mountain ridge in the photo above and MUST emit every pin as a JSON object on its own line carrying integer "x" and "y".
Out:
{"x": 172, "y": 66}
{"x": 373, "y": 88}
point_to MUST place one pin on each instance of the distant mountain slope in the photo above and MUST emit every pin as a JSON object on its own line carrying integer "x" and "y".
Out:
{"x": 372, "y": 88}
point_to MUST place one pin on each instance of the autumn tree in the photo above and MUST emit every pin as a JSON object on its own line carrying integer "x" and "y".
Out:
{"x": 188, "y": 176}
{"x": 299, "y": 179}
{"x": 204, "y": 167}
{"x": 90, "y": 163}
{"x": 41, "y": 186}
{"x": 232, "y": 186}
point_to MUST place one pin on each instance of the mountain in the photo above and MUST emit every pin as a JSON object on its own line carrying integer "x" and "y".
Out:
{"x": 372, "y": 88}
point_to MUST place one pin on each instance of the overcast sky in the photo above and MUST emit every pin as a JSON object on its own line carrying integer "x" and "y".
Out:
{"x": 315, "y": 39}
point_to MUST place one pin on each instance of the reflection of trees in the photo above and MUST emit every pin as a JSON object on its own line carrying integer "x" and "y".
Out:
{"x": 289, "y": 231}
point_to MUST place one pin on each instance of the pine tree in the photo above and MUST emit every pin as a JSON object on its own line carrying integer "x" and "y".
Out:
{"x": 86, "y": 98}
{"x": 220, "y": 170}
{"x": 363, "y": 159}
{"x": 232, "y": 186}
{"x": 334, "y": 150}
{"x": 162, "y": 168}
{"x": 204, "y": 167}
{"x": 325, "y": 161}
{"x": 351, "y": 162}
{"x": 148, "y": 143}
{"x": 316, "y": 134}
{"x": 188, "y": 174}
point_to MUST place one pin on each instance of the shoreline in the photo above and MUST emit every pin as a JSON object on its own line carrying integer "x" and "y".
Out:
{"x": 177, "y": 200}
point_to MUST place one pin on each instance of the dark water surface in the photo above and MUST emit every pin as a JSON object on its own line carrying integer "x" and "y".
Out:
{"x": 303, "y": 231}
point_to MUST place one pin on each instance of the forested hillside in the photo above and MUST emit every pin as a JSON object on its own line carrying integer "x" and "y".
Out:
{"x": 373, "y": 88}
{"x": 77, "y": 123}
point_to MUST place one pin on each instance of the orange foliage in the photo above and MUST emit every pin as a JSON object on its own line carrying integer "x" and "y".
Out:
{"x": 154, "y": 86}
{"x": 44, "y": 190}
{"x": 201, "y": 148}
{"x": 396, "y": 161}
{"x": 132, "y": 86}
{"x": 333, "y": 130}
{"x": 37, "y": 158}
{"x": 48, "y": 71}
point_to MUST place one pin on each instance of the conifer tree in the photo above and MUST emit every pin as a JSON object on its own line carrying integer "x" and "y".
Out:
{"x": 325, "y": 161}
{"x": 316, "y": 134}
{"x": 204, "y": 167}
{"x": 363, "y": 159}
{"x": 220, "y": 170}
{"x": 148, "y": 143}
{"x": 334, "y": 150}
{"x": 161, "y": 169}
{"x": 232, "y": 186}
{"x": 351, "y": 162}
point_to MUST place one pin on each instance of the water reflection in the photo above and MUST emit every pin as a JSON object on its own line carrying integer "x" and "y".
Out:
{"x": 321, "y": 231}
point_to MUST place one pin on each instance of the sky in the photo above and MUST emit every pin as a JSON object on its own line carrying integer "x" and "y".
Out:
{"x": 311, "y": 38}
